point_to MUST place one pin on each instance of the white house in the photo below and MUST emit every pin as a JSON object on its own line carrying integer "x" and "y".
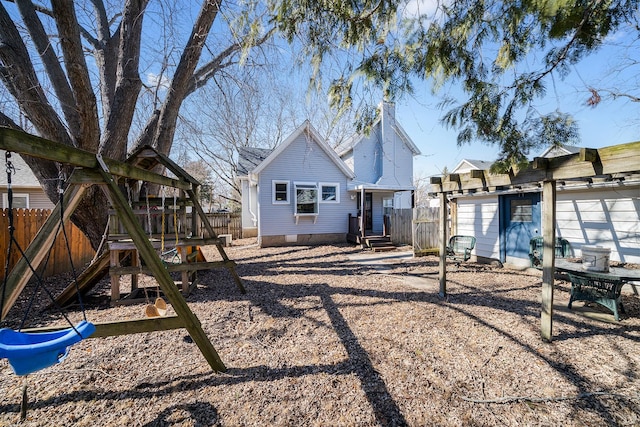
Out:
{"x": 27, "y": 192}
{"x": 603, "y": 211}
{"x": 304, "y": 191}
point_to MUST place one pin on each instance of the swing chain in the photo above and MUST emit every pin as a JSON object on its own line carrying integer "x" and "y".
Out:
{"x": 11, "y": 170}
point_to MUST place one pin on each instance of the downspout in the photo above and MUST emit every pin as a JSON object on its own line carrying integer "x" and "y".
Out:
{"x": 362, "y": 218}
{"x": 254, "y": 218}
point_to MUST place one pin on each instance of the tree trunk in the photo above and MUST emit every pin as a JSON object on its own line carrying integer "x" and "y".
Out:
{"x": 91, "y": 216}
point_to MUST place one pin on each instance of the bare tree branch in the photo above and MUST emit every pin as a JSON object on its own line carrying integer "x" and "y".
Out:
{"x": 19, "y": 76}
{"x": 162, "y": 136}
{"x": 68, "y": 29}
{"x": 105, "y": 54}
{"x": 52, "y": 64}
{"x": 6, "y": 121}
{"x": 207, "y": 71}
{"x": 128, "y": 84}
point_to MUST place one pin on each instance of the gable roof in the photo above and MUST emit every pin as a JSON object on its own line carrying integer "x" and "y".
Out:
{"x": 553, "y": 151}
{"x": 313, "y": 134}
{"x": 467, "y": 164}
{"x": 556, "y": 151}
{"x": 23, "y": 177}
{"x": 250, "y": 157}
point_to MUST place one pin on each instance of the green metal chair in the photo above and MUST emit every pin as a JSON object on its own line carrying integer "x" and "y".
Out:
{"x": 460, "y": 247}
{"x": 536, "y": 246}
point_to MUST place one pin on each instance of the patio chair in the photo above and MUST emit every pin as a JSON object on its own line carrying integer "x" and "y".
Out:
{"x": 536, "y": 246}
{"x": 460, "y": 247}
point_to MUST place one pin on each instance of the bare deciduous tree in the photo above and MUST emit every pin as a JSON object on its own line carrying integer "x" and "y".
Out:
{"x": 73, "y": 69}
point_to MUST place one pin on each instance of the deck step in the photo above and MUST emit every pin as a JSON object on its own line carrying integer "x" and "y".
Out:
{"x": 380, "y": 243}
{"x": 386, "y": 248}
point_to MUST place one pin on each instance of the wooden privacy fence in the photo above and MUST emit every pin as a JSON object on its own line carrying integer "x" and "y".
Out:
{"x": 425, "y": 225}
{"x": 27, "y": 222}
{"x": 417, "y": 227}
{"x": 400, "y": 225}
{"x": 225, "y": 223}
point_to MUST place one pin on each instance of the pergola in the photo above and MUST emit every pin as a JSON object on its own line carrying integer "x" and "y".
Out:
{"x": 614, "y": 162}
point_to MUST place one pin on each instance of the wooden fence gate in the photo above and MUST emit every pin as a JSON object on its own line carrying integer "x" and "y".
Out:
{"x": 425, "y": 231}
{"x": 417, "y": 227}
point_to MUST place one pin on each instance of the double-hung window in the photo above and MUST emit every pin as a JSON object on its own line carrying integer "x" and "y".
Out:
{"x": 280, "y": 192}
{"x": 329, "y": 192}
{"x": 306, "y": 198}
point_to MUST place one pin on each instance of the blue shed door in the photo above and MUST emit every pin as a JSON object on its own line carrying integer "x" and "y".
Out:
{"x": 520, "y": 220}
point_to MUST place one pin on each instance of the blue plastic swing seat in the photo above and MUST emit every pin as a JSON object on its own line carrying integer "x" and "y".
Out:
{"x": 29, "y": 352}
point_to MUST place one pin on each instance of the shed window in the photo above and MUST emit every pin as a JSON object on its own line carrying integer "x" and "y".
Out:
{"x": 280, "y": 192}
{"x": 521, "y": 210}
{"x": 306, "y": 198}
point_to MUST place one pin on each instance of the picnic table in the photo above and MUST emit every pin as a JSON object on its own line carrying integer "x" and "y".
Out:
{"x": 600, "y": 287}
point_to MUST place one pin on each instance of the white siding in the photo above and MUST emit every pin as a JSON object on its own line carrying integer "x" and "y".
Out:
{"x": 402, "y": 200}
{"x": 302, "y": 160}
{"x": 403, "y": 163}
{"x": 478, "y": 216}
{"x": 38, "y": 200}
{"x": 607, "y": 217}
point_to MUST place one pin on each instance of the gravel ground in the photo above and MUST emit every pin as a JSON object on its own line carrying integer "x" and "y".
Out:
{"x": 332, "y": 336}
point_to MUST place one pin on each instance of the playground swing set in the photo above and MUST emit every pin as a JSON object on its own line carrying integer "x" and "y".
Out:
{"x": 35, "y": 349}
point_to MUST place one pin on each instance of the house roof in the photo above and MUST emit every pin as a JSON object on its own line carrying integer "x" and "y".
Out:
{"x": 466, "y": 165}
{"x": 23, "y": 177}
{"x": 315, "y": 136}
{"x": 250, "y": 157}
{"x": 555, "y": 151}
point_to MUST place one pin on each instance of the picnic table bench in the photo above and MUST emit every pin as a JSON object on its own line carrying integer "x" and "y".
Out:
{"x": 603, "y": 288}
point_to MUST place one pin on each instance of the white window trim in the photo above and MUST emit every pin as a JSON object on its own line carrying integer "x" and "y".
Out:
{"x": 5, "y": 199}
{"x": 329, "y": 184}
{"x": 295, "y": 195}
{"x": 273, "y": 192}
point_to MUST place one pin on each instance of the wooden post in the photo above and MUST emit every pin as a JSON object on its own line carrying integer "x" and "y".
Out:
{"x": 153, "y": 262}
{"x": 114, "y": 262}
{"x": 548, "y": 257}
{"x": 212, "y": 234}
{"x": 442, "y": 240}
{"x": 195, "y": 217}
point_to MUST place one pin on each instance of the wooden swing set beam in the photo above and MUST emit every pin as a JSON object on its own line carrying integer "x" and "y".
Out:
{"x": 124, "y": 327}
{"x": 31, "y": 145}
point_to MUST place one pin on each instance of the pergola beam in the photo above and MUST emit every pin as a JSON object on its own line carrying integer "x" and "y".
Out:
{"x": 588, "y": 163}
